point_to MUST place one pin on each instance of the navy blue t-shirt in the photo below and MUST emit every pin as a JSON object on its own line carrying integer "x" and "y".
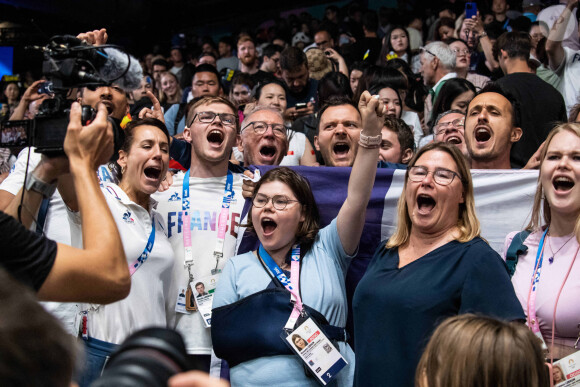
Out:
{"x": 397, "y": 310}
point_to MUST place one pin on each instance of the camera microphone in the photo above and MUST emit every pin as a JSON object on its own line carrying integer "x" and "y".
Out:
{"x": 123, "y": 66}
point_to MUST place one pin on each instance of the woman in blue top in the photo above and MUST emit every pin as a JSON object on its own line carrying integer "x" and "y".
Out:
{"x": 434, "y": 266}
{"x": 251, "y": 307}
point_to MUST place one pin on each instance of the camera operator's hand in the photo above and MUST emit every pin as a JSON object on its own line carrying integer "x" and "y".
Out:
{"x": 30, "y": 95}
{"x": 91, "y": 145}
{"x": 94, "y": 38}
{"x": 156, "y": 112}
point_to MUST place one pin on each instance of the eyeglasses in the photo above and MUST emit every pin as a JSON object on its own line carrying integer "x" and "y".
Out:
{"x": 464, "y": 51}
{"x": 260, "y": 127}
{"x": 441, "y": 127}
{"x": 208, "y": 117}
{"x": 278, "y": 201}
{"x": 429, "y": 52}
{"x": 441, "y": 176}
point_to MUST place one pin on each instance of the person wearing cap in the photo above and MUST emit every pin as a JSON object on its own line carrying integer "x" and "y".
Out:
{"x": 318, "y": 64}
{"x": 301, "y": 89}
{"x": 300, "y": 40}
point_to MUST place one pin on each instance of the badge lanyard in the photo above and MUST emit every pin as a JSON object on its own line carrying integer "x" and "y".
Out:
{"x": 292, "y": 284}
{"x": 532, "y": 319}
{"x": 132, "y": 269}
{"x": 222, "y": 221}
{"x": 145, "y": 254}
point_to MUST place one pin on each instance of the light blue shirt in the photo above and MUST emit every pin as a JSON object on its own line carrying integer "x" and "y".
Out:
{"x": 170, "y": 116}
{"x": 322, "y": 283}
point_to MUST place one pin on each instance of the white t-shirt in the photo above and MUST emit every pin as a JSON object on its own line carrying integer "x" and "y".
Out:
{"x": 145, "y": 305}
{"x": 569, "y": 71}
{"x": 205, "y": 197}
{"x": 412, "y": 119}
{"x": 295, "y": 148}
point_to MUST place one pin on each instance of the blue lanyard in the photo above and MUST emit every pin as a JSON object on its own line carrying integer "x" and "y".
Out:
{"x": 228, "y": 192}
{"x": 145, "y": 254}
{"x": 275, "y": 269}
{"x": 539, "y": 261}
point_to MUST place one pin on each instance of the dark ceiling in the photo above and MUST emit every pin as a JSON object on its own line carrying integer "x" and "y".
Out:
{"x": 137, "y": 25}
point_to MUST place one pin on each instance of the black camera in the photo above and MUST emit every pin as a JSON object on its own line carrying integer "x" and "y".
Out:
{"x": 147, "y": 358}
{"x": 68, "y": 63}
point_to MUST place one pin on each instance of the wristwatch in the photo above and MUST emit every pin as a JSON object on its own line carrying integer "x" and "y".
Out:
{"x": 370, "y": 141}
{"x": 33, "y": 183}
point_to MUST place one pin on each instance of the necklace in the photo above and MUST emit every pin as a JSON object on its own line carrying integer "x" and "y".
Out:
{"x": 551, "y": 259}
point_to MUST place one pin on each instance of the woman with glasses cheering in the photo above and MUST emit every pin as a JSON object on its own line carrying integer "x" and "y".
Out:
{"x": 434, "y": 266}
{"x": 253, "y": 306}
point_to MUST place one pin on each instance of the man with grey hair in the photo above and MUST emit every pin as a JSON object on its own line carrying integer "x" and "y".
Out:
{"x": 450, "y": 128}
{"x": 437, "y": 66}
{"x": 263, "y": 138}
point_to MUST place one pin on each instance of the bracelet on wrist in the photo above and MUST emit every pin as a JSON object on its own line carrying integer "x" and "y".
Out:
{"x": 482, "y": 35}
{"x": 363, "y": 145}
{"x": 370, "y": 142}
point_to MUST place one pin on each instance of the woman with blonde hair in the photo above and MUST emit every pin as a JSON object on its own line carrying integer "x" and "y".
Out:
{"x": 471, "y": 350}
{"x": 435, "y": 265}
{"x": 550, "y": 255}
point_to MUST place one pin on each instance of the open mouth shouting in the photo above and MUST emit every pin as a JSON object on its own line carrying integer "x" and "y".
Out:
{"x": 153, "y": 173}
{"x": 482, "y": 135}
{"x": 454, "y": 139}
{"x": 425, "y": 203}
{"x": 215, "y": 138}
{"x": 268, "y": 154}
{"x": 562, "y": 184}
{"x": 268, "y": 226}
{"x": 341, "y": 150}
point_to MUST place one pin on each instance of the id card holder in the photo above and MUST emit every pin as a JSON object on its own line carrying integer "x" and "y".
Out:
{"x": 567, "y": 370}
{"x": 203, "y": 291}
{"x": 315, "y": 350}
{"x": 180, "y": 304}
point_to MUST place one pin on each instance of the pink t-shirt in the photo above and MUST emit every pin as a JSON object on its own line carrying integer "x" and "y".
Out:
{"x": 551, "y": 278}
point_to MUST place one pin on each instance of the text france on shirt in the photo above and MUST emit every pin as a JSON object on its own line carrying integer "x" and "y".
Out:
{"x": 201, "y": 220}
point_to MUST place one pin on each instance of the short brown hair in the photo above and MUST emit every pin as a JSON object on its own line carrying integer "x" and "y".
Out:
{"x": 300, "y": 187}
{"x": 245, "y": 38}
{"x": 36, "y": 350}
{"x": 208, "y": 100}
{"x": 469, "y": 350}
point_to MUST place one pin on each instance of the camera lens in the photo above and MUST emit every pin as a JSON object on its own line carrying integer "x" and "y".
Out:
{"x": 147, "y": 358}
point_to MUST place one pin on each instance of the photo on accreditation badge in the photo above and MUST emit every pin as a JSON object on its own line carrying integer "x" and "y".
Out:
{"x": 316, "y": 351}
{"x": 566, "y": 371}
{"x": 203, "y": 291}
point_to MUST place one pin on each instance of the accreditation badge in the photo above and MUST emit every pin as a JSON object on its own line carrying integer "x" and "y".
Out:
{"x": 203, "y": 291}
{"x": 315, "y": 350}
{"x": 566, "y": 371}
